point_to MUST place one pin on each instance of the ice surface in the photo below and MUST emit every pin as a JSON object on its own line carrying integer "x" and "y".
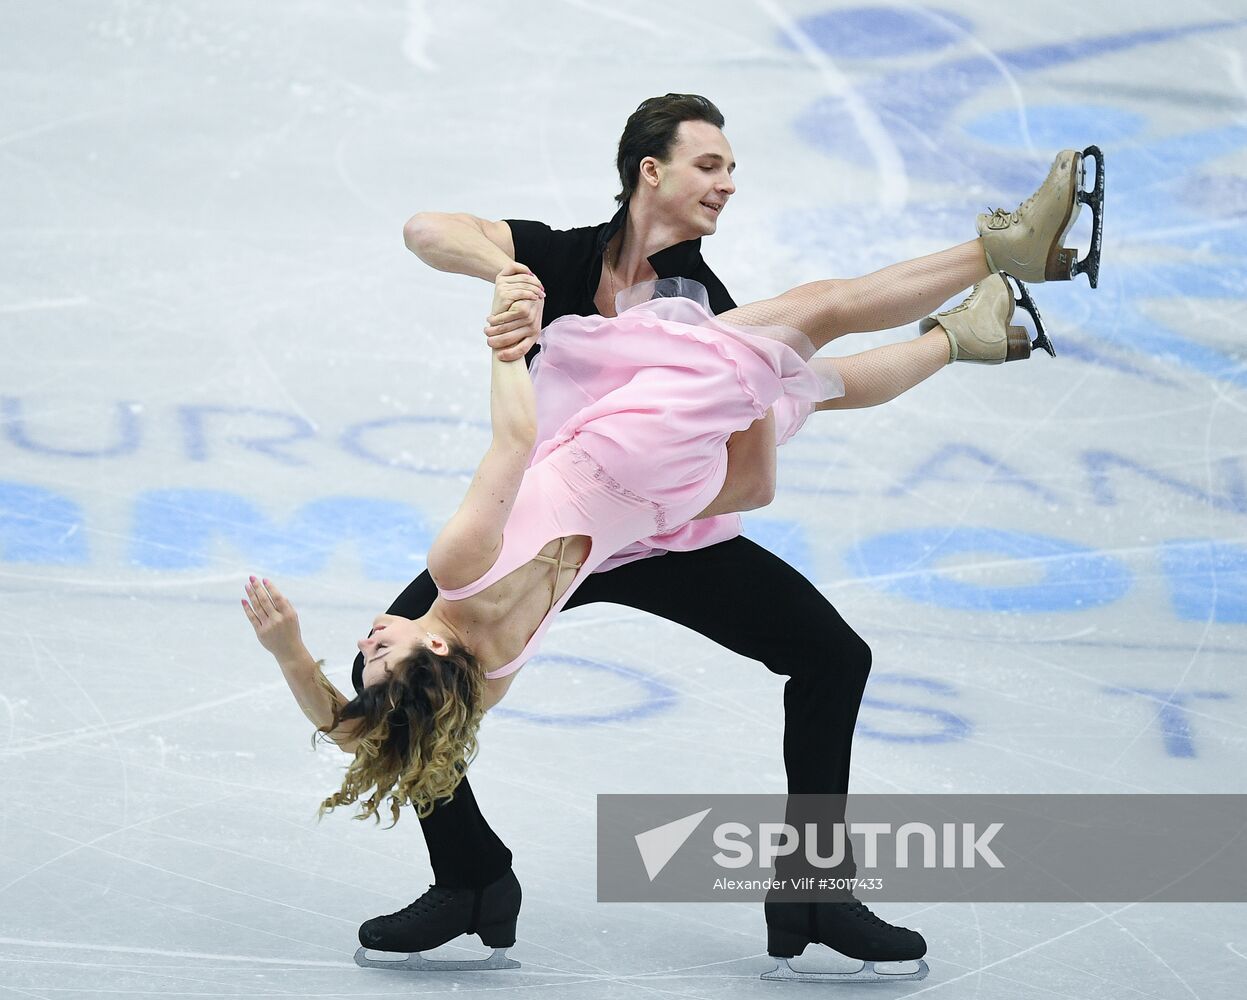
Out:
{"x": 218, "y": 359}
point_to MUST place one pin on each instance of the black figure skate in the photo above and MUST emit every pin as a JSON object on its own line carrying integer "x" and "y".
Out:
{"x": 439, "y": 916}
{"x": 849, "y": 928}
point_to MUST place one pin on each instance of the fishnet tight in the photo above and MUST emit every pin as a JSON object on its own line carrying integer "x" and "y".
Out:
{"x": 876, "y": 376}
{"x": 890, "y": 297}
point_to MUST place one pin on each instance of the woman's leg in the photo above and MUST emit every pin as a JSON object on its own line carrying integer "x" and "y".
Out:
{"x": 893, "y": 296}
{"x": 883, "y": 373}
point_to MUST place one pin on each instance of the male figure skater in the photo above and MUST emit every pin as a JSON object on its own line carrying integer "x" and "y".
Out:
{"x": 675, "y": 167}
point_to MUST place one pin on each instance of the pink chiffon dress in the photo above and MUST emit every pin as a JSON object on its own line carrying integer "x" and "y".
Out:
{"x": 634, "y": 414}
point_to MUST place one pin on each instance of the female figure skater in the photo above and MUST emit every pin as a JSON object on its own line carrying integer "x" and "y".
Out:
{"x": 675, "y": 170}
{"x": 676, "y": 417}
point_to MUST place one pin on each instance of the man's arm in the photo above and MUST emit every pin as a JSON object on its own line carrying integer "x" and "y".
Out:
{"x": 750, "y": 480}
{"x": 460, "y": 243}
{"x": 464, "y": 244}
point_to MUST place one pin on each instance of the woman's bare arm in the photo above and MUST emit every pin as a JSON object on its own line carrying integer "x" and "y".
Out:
{"x": 276, "y": 625}
{"x": 471, "y": 540}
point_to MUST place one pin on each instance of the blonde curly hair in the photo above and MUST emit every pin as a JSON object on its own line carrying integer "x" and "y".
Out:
{"x": 417, "y": 733}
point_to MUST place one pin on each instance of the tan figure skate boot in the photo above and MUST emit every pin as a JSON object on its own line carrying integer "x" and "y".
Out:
{"x": 1027, "y": 242}
{"x": 978, "y": 330}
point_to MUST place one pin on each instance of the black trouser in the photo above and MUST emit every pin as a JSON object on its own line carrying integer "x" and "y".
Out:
{"x": 746, "y": 600}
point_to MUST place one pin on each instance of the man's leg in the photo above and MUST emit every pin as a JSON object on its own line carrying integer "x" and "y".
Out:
{"x": 752, "y": 602}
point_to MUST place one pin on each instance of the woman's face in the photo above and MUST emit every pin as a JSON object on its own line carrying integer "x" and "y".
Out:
{"x": 391, "y": 640}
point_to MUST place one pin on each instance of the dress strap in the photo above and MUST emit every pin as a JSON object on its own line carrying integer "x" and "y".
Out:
{"x": 559, "y": 567}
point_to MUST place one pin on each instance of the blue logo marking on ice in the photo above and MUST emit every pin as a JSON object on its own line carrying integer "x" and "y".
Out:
{"x": 658, "y": 846}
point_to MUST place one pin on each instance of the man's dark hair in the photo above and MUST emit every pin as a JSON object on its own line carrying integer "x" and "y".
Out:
{"x": 651, "y": 131}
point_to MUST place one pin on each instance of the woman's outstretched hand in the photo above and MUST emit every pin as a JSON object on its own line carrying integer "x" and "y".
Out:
{"x": 274, "y": 619}
{"x": 514, "y": 321}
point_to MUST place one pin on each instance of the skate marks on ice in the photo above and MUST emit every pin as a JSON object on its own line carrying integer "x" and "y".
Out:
{"x": 893, "y": 178}
{"x": 1092, "y": 977}
{"x": 198, "y": 956}
{"x": 155, "y": 930}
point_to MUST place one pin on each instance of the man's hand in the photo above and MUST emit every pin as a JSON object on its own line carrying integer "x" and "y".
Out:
{"x": 274, "y": 619}
{"x": 514, "y": 322}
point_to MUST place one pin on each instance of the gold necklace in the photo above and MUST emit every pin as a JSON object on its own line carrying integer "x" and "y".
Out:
{"x": 611, "y": 271}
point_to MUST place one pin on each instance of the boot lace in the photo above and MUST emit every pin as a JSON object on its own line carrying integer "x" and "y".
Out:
{"x": 1000, "y": 219}
{"x": 862, "y": 912}
{"x": 432, "y": 900}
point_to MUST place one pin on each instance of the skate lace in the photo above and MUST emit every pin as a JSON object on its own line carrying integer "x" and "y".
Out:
{"x": 431, "y": 900}
{"x": 965, "y": 304}
{"x": 862, "y": 912}
{"x": 1000, "y": 218}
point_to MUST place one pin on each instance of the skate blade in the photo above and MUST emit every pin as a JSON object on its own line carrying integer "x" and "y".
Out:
{"x": 1094, "y": 199}
{"x": 415, "y": 962}
{"x": 870, "y": 972}
{"x": 1041, "y": 342}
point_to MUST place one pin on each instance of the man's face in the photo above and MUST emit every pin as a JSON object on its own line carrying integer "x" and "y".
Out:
{"x": 694, "y": 186}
